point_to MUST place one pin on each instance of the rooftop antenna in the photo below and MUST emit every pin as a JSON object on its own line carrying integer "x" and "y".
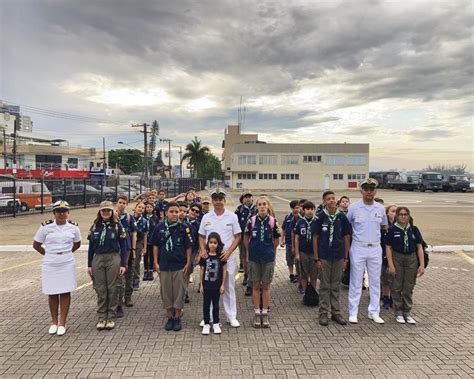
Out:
{"x": 243, "y": 120}
{"x": 240, "y": 114}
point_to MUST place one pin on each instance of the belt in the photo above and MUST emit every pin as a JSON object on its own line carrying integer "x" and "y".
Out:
{"x": 367, "y": 244}
{"x": 61, "y": 253}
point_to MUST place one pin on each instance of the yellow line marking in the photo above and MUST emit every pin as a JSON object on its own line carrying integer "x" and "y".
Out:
{"x": 463, "y": 255}
{"x": 84, "y": 286}
{"x": 20, "y": 265}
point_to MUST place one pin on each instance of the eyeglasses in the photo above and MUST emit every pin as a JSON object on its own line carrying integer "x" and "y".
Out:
{"x": 195, "y": 210}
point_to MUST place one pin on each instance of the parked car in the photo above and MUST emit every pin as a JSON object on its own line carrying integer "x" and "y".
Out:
{"x": 108, "y": 193}
{"x": 124, "y": 189}
{"x": 77, "y": 194}
{"x": 25, "y": 195}
{"x": 455, "y": 183}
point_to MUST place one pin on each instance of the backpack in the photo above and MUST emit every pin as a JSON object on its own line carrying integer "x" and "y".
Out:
{"x": 426, "y": 252}
{"x": 271, "y": 223}
{"x": 311, "y": 296}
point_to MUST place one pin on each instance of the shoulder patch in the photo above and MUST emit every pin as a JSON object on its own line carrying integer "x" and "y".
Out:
{"x": 73, "y": 222}
{"x": 47, "y": 222}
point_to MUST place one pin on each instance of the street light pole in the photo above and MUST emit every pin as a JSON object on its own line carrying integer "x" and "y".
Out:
{"x": 180, "y": 160}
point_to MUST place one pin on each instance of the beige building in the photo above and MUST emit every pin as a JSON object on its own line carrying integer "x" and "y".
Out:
{"x": 281, "y": 166}
{"x": 231, "y": 137}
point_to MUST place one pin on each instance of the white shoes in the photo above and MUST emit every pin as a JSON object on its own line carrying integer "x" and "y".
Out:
{"x": 53, "y": 329}
{"x": 400, "y": 319}
{"x": 216, "y": 328}
{"x": 234, "y": 323}
{"x": 201, "y": 324}
{"x": 206, "y": 329}
{"x": 410, "y": 320}
{"x": 376, "y": 318}
{"x": 61, "y": 330}
{"x": 353, "y": 319}
{"x": 191, "y": 279}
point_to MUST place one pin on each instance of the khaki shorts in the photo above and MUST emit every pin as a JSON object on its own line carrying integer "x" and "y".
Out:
{"x": 172, "y": 285}
{"x": 308, "y": 267}
{"x": 261, "y": 272}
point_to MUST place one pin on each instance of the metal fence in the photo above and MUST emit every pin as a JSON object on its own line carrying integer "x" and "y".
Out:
{"x": 27, "y": 196}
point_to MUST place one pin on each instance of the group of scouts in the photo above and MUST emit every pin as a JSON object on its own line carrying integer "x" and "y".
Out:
{"x": 321, "y": 243}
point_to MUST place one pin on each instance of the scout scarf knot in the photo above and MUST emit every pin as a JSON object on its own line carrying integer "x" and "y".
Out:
{"x": 262, "y": 227}
{"x": 405, "y": 236}
{"x": 309, "y": 233}
{"x": 168, "y": 239}
{"x": 332, "y": 219}
{"x": 105, "y": 225}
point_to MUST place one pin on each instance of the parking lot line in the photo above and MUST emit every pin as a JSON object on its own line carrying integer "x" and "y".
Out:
{"x": 20, "y": 265}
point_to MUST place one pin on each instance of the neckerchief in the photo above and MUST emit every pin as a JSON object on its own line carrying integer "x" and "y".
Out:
{"x": 250, "y": 209}
{"x": 262, "y": 227}
{"x": 169, "y": 240}
{"x": 405, "y": 236}
{"x": 309, "y": 233}
{"x": 105, "y": 225}
{"x": 332, "y": 219}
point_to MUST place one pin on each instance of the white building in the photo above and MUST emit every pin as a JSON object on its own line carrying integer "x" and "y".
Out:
{"x": 309, "y": 166}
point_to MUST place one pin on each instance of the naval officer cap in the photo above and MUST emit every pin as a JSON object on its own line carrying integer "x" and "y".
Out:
{"x": 61, "y": 204}
{"x": 218, "y": 193}
{"x": 368, "y": 183}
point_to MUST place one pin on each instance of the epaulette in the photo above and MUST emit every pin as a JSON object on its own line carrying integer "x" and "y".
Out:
{"x": 47, "y": 222}
{"x": 73, "y": 222}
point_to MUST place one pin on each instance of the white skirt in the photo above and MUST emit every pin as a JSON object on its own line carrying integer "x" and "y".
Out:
{"x": 58, "y": 274}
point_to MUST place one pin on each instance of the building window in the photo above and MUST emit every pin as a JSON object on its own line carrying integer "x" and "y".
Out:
{"x": 48, "y": 162}
{"x": 247, "y": 176}
{"x": 267, "y": 176}
{"x": 311, "y": 158}
{"x": 356, "y": 160}
{"x": 290, "y": 176}
{"x": 73, "y": 162}
{"x": 247, "y": 160}
{"x": 289, "y": 159}
{"x": 334, "y": 160}
{"x": 355, "y": 176}
{"x": 268, "y": 160}
{"x": 337, "y": 176}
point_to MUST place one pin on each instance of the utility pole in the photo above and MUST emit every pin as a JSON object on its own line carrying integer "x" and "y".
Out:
{"x": 104, "y": 157}
{"x": 145, "y": 144}
{"x": 14, "y": 144}
{"x": 4, "y": 152}
{"x": 180, "y": 160}
{"x": 169, "y": 151}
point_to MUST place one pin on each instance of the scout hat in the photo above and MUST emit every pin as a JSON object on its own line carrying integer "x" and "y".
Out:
{"x": 205, "y": 199}
{"x": 369, "y": 182}
{"x": 106, "y": 205}
{"x": 245, "y": 194}
{"x": 217, "y": 192}
{"x": 61, "y": 204}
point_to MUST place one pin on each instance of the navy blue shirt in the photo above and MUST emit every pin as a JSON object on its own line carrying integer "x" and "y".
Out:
{"x": 303, "y": 229}
{"x": 395, "y": 239}
{"x": 244, "y": 213}
{"x": 160, "y": 208}
{"x": 172, "y": 244}
{"x": 262, "y": 236}
{"x": 214, "y": 272}
{"x": 152, "y": 220}
{"x": 110, "y": 240}
{"x": 141, "y": 225}
{"x": 331, "y": 248}
{"x": 129, "y": 227}
{"x": 194, "y": 225}
{"x": 288, "y": 226}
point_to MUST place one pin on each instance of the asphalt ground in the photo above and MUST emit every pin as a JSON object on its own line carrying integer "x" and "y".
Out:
{"x": 440, "y": 345}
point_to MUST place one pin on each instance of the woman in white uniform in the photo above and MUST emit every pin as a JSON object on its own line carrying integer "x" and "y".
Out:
{"x": 60, "y": 237}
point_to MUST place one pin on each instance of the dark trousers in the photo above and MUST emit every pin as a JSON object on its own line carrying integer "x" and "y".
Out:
{"x": 211, "y": 297}
{"x": 148, "y": 258}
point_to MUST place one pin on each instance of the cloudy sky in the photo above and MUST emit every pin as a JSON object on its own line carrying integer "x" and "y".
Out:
{"x": 396, "y": 74}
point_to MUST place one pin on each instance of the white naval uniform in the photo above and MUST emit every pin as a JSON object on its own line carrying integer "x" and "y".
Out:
{"x": 366, "y": 221}
{"x": 227, "y": 226}
{"x": 58, "y": 269}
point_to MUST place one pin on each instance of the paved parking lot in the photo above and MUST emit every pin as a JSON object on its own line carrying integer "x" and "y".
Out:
{"x": 441, "y": 344}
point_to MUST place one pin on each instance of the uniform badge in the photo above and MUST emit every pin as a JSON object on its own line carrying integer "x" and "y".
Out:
{"x": 325, "y": 228}
{"x": 303, "y": 231}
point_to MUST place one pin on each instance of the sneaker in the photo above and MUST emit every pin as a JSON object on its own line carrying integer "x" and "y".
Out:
{"x": 323, "y": 319}
{"x": 234, "y": 323}
{"x": 169, "y": 324}
{"x": 61, "y": 330}
{"x": 386, "y": 302}
{"x": 186, "y": 298}
{"x": 296, "y": 279}
{"x": 338, "y": 319}
{"x": 248, "y": 291}
{"x": 257, "y": 321}
{"x": 291, "y": 278}
{"x": 119, "y": 312}
{"x": 136, "y": 286}
{"x": 376, "y": 318}
{"x": 177, "y": 325}
{"x": 246, "y": 280}
{"x": 206, "y": 329}
{"x": 216, "y": 328}
{"x": 410, "y": 320}
{"x": 202, "y": 323}
{"x": 128, "y": 303}
{"x": 300, "y": 290}
{"x": 53, "y": 329}
{"x": 265, "y": 321}
{"x": 400, "y": 319}
{"x": 353, "y": 319}
{"x": 110, "y": 324}
{"x": 100, "y": 325}
{"x": 150, "y": 276}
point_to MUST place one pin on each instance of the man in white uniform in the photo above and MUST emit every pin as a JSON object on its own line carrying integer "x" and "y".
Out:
{"x": 226, "y": 223}
{"x": 367, "y": 218}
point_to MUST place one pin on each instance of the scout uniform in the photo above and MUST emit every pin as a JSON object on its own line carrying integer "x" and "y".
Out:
{"x": 153, "y": 221}
{"x": 365, "y": 251}
{"x": 107, "y": 253}
{"x": 125, "y": 282}
{"x": 288, "y": 226}
{"x": 141, "y": 226}
{"x": 304, "y": 229}
{"x": 244, "y": 212}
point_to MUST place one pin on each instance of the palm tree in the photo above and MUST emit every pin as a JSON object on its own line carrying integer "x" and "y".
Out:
{"x": 196, "y": 155}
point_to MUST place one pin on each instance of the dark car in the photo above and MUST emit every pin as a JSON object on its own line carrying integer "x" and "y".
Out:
{"x": 77, "y": 194}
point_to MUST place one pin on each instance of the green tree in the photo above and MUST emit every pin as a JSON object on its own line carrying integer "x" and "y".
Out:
{"x": 196, "y": 155}
{"x": 158, "y": 164}
{"x": 211, "y": 168}
{"x": 128, "y": 160}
